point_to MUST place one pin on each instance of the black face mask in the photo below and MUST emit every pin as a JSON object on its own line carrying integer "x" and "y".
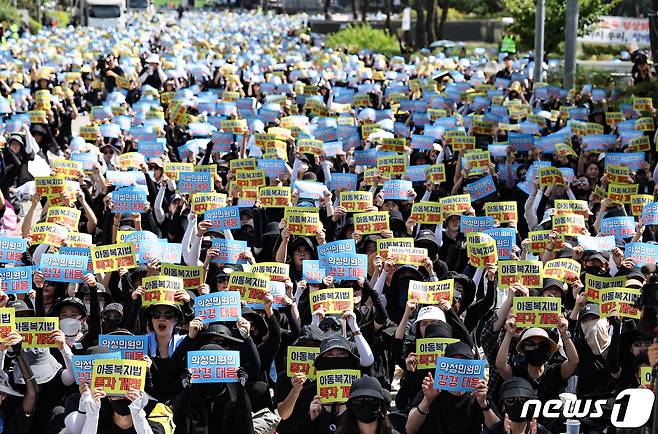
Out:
{"x": 536, "y": 357}
{"x": 246, "y": 234}
{"x": 366, "y": 412}
{"x": 594, "y": 270}
{"x": 514, "y": 412}
{"x": 212, "y": 390}
{"x": 120, "y": 406}
{"x": 111, "y": 324}
{"x": 326, "y": 363}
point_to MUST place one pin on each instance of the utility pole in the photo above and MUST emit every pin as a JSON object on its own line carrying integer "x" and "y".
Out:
{"x": 571, "y": 33}
{"x": 539, "y": 40}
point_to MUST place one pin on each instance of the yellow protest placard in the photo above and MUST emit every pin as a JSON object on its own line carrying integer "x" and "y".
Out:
{"x": 76, "y": 239}
{"x": 644, "y": 124}
{"x": 37, "y": 331}
{"x": 369, "y": 177}
{"x": 300, "y": 360}
{"x": 355, "y": 201}
{"x": 539, "y": 240}
{"x": 568, "y": 225}
{"x": 504, "y": 212}
{"x": 68, "y": 169}
{"x": 130, "y": 160}
{"x": 334, "y": 385}
{"x": 38, "y": 117}
{"x": 277, "y": 271}
{"x": 274, "y": 197}
{"x": 476, "y": 159}
{"x": 117, "y": 377}
{"x": 192, "y": 276}
{"x": 202, "y": 202}
{"x": 481, "y": 249}
{"x": 638, "y": 201}
{"x": 642, "y": 104}
{"x": 173, "y": 170}
{"x": 113, "y": 256}
{"x": 7, "y": 321}
{"x": 65, "y": 216}
{"x": 334, "y": 300}
{"x": 624, "y": 301}
{"x": 161, "y": 290}
{"x": 371, "y": 222}
{"x": 550, "y": 175}
{"x": 431, "y": 292}
{"x": 406, "y": 255}
{"x": 572, "y": 207}
{"x": 427, "y": 213}
{"x": 243, "y": 164}
{"x": 462, "y": 142}
{"x": 428, "y": 349}
{"x": 594, "y": 285}
{"x": 621, "y": 193}
{"x": 235, "y": 126}
{"x": 250, "y": 178}
{"x": 613, "y": 118}
{"x": 384, "y": 243}
{"x": 302, "y": 222}
{"x": 310, "y": 146}
{"x": 49, "y": 233}
{"x": 566, "y": 270}
{"x": 536, "y": 311}
{"x": 528, "y": 273}
{"x": 89, "y": 132}
{"x": 392, "y": 164}
{"x": 49, "y": 186}
{"x": 436, "y": 173}
{"x": 252, "y": 286}
{"x": 457, "y": 204}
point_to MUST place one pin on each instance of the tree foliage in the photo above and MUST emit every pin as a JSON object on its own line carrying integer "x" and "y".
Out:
{"x": 523, "y": 12}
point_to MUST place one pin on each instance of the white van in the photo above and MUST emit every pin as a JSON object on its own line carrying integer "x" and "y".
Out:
{"x": 102, "y": 14}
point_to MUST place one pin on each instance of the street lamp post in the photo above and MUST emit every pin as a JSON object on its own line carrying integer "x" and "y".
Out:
{"x": 539, "y": 40}
{"x": 571, "y": 33}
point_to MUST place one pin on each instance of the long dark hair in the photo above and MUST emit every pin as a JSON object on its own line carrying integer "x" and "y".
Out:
{"x": 348, "y": 423}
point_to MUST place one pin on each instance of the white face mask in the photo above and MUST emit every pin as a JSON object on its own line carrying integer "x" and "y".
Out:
{"x": 70, "y": 327}
{"x": 597, "y": 335}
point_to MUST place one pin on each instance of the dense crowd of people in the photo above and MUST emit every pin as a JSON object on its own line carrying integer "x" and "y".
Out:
{"x": 443, "y": 242}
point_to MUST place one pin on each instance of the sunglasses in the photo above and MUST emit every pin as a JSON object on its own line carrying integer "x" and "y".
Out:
{"x": 530, "y": 346}
{"x": 510, "y": 402}
{"x": 156, "y": 314}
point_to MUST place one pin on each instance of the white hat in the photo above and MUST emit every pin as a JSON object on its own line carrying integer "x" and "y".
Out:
{"x": 153, "y": 58}
{"x": 431, "y": 312}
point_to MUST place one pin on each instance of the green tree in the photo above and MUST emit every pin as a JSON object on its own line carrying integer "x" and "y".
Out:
{"x": 523, "y": 12}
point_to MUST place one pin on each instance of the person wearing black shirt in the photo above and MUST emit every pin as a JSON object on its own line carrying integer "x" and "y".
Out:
{"x": 152, "y": 74}
{"x": 111, "y": 73}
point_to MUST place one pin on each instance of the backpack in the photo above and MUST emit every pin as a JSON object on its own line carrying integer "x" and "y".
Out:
{"x": 163, "y": 416}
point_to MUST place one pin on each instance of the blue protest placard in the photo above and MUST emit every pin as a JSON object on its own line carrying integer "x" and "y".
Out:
{"x": 416, "y": 173}
{"x": 346, "y": 266}
{"x": 223, "y": 218}
{"x": 147, "y": 250}
{"x": 272, "y": 168}
{"x": 152, "y": 148}
{"x": 335, "y": 247}
{"x": 650, "y": 214}
{"x": 170, "y": 253}
{"x": 312, "y": 271}
{"x": 129, "y": 200}
{"x": 345, "y": 181}
{"x": 131, "y": 347}
{"x": 218, "y": 306}
{"x": 481, "y": 188}
{"x": 222, "y": 141}
{"x": 520, "y": 142}
{"x": 458, "y": 375}
{"x": 214, "y": 366}
{"x": 63, "y": 268}
{"x": 79, "y": 251}
{"x": 195, "y": 182}
{"x": 641, "y": 253}
{"x": 475, "y": 224}
{"x": 82, "y": 365}
{"x": 601, "y": 244}
{"x": 16, "y": 280}
{"x": 229, "y": 251}
{"x": 11, "y": 250}
{"x": 421, "y": 142}
{"x": 366, "y": 158}
{"x": 396, "y": 189}
{"x": 620, "y": 227}
{"x": 87, "y": 159}
{"x": 505, "y": 240}
{"x": 634, "y": 160}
